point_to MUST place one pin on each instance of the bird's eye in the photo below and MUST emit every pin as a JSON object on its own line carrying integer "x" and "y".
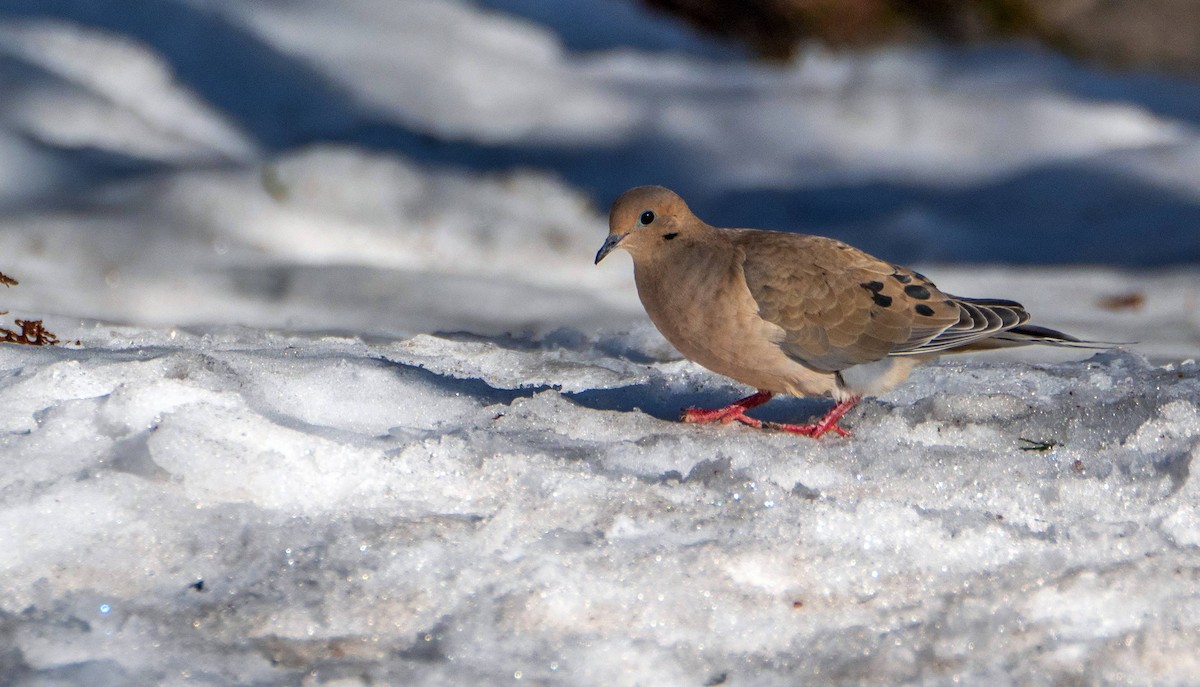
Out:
{"x": 647, "y": 217}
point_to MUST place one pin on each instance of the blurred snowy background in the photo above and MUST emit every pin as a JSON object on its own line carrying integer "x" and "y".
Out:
{"x": 342, "y": 400}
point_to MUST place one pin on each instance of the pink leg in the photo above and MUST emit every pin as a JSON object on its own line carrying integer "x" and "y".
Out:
{"x": 825, "y": 424}
{"x": 731, "y": 412}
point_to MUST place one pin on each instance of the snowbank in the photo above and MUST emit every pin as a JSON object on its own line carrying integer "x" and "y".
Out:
{"x": 342, "y": 400}
{"x": 247, "y": 507}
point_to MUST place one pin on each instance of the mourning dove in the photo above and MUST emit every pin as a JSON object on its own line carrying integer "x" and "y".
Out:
{"x": 795, "y": 314}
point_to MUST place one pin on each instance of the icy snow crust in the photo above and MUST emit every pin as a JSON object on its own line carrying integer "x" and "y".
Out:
{"x": 248, "y": 508}
{"x": 341, "y": 399}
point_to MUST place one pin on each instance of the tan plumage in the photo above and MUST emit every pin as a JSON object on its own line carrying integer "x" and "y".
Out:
{"x": 796, "y": 314}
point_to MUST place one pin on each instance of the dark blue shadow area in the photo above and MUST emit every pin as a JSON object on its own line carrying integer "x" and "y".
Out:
{"x": 655, "y": 399}
{"x": 474, "y": 388}
{"x": 77, "y": 170}
{"x": 278, "y": 100}
{"x": 1031, "y": 218}
{"x": 593, "y": 25}
{"x": 1068, "y": 213}
{"x": 282, "y": 102}
{"x": 74, "y": 168}
{"x": 1169, "y": 96}
{"x": 652, "y": 398}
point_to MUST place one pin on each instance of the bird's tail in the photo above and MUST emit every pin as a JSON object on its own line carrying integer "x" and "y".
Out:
{"x": 1028, "y": 334}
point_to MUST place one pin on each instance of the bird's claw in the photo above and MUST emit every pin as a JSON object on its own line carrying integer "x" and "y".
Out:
{"x": 737, "y": 411}
{"x": 813, "y": 429}
{"x": 722, "y": 415}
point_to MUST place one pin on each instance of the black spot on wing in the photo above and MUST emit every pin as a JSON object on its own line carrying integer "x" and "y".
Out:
{"x": 875, "y": 287}
{"x": 923, "y": 309}
{"x": 917, "y": 291}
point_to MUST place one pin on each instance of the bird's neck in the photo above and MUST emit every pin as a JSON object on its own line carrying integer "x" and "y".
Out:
{"x": 685, "y": 271}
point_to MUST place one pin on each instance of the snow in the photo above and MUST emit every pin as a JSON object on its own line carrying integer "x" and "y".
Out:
{"x": 341, "y": 399}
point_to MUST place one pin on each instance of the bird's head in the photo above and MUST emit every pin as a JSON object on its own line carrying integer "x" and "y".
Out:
{"x": 644, "y": 218}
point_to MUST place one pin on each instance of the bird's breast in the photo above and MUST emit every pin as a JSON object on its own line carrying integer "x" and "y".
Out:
{"x": 703, "y": 307}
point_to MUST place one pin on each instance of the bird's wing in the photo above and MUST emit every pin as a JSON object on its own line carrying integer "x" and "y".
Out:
{"x": 979, "y": 319}
{"x": 838, "y": 306}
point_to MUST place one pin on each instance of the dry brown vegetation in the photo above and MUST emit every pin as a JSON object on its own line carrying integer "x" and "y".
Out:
{"x": 1147, "y": 33}
{"x": 31, "y": 333}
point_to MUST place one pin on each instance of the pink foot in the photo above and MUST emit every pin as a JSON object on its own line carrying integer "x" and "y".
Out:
{"x": 733, "y": 411}
{"x": 828, "y": 423}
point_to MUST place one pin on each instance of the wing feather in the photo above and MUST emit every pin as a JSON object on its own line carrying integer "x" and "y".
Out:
{"x": 838, "y": 306}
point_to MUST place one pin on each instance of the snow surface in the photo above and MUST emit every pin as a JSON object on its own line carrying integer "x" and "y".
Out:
{"x": 341, "y": 399}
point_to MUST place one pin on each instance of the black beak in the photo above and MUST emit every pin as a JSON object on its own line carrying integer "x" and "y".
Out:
{"x": 609, "y": 244}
